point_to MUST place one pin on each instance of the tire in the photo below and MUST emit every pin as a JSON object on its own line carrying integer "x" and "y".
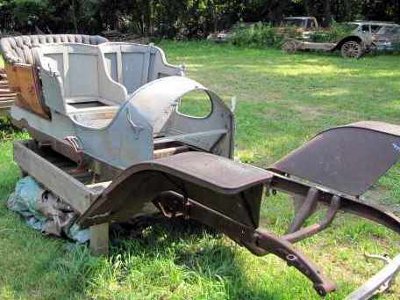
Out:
{"x": 351, "y": 49}
{"x": 289, "y": 46}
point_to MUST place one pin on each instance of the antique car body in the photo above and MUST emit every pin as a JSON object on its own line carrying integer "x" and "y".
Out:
{"x": 353, "y": 45}
{"x": 112, "y": 109}
{"x": 306, "y": 25}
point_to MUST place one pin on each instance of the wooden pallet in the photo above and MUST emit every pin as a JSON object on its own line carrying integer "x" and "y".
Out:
{"x": 7, "y": 97}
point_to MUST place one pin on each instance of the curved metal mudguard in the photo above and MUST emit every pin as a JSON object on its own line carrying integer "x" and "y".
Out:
{"x": 211, "y": 179}
{"x": 348, "y": 159}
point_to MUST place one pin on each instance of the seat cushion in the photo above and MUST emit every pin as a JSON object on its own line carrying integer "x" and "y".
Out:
{"x": 18, "y": 49}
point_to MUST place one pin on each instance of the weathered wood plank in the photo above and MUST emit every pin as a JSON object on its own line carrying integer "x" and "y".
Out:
{"x": 24, "y": 80}
{"x": 99, "y": 239}
{"x": 7, "y": 96}
{"x": 64, "y": 185}
{"x": 6, "y": 102}
{"x": 56, "y": 180}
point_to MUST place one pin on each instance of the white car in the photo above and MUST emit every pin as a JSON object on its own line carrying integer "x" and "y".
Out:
{"x": 384, "y": 35}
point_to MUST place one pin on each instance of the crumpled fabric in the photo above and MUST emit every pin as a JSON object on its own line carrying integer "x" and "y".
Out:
{"x": 44, "y": 211}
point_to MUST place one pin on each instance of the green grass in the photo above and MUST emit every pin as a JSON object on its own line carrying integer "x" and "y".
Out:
{"x": 282, "y": 101}
{"x": 1, "y": 62}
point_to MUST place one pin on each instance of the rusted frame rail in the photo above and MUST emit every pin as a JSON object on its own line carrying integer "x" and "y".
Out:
{"x": 327, "y": 197}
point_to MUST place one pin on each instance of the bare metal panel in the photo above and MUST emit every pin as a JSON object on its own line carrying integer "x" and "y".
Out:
{"x": 80, "y": 66}
{"x": 348, "y": 159}
{"x": 111, "y": 65}
{"x": 132, "y": 71}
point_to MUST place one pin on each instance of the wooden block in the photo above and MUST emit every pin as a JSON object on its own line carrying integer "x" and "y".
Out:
{"x": 99, "y": 239}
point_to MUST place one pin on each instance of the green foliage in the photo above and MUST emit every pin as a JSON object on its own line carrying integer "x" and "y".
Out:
{"x": 261, "y": 35}
{"x": 334, "y": 33}
{"x": 187, "y": 19}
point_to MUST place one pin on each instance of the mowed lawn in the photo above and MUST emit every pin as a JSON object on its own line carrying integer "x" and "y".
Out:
{"x": 282, "y": 101}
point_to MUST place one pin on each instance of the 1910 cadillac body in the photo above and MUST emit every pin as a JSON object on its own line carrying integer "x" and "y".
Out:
{"x": 111, "y": 109}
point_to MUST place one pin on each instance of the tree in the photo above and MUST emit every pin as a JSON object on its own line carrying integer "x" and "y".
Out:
{"x": 182, "y": 18}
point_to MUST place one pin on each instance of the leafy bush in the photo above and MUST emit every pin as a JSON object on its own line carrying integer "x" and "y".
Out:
{"x": 332, "y": 34}
{"x": 261, "y": 35}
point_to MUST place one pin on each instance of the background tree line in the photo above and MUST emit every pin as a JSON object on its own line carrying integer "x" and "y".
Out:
{"x": 177, "y": 18}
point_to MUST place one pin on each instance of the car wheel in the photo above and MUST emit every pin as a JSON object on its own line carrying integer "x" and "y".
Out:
{"x": 351, "y": 49}
{"x": 289, "y": 47}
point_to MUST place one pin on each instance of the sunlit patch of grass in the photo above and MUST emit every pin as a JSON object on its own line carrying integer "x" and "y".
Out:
{"x": 195, "y": 104}
{"x": 282, "y": 101}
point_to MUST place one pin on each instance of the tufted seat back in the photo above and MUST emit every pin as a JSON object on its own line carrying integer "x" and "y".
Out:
{"x": 18, "y": 49}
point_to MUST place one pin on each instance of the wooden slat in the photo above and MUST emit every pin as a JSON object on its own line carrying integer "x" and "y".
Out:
{"x": 7, "y": 97}
{"x": 60, "y": 183}
{"x": 6, "y": 103}
{"x": 65, "y": 186}
{"x": 160, "y": 153}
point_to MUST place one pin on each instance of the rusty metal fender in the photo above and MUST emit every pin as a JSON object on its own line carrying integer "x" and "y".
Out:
{"x": 348, "y": 159}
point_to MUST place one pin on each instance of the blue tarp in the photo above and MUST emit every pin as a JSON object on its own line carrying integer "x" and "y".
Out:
{"x": 44, "y": 211}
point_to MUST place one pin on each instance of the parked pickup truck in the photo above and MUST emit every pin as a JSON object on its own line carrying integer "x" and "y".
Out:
{"x": 307, "y": 25}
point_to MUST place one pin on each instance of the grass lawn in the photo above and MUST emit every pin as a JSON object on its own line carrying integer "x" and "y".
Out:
{"x": 282, "y": 101}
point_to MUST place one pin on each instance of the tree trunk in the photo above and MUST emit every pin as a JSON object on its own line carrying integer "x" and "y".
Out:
{"x": 307, "y": 7}
{"x": 276, "y": 10}
{"x": 347, "y": 10}
{"x": 327, "y": 13}
{"x": 74, "y": 19}
{"x": 397, "y": 11}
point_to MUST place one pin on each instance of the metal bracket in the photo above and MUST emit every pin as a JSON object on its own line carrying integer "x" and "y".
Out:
{"x": 77, "y": 148}
{"x": 136, "y": 128}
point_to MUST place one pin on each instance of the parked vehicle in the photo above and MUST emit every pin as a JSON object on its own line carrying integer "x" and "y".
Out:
{"x": 307, "y": 25}
{"x": 371, "y": 27}
{"x": 388, "y": 38}
{"x": 220, "y": 36}
{"x": 385, "y": 35}
{"x": 345, "y": 38}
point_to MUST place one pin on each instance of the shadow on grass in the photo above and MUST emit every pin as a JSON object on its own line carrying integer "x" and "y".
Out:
{"x": 194, "y": 248}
